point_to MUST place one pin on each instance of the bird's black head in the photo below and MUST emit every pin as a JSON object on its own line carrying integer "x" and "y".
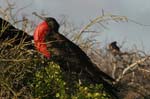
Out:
{"x": 114, "y": 42}
{"x": 53, "y": 24}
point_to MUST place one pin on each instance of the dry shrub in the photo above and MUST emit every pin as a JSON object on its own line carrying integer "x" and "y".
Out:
{"x": 18, "y": 64}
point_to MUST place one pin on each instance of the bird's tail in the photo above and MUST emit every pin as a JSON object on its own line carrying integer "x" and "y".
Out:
{"x": 107, "y": 82}
{"x": 110, "y": 89}
{"x": 103, "y": 75}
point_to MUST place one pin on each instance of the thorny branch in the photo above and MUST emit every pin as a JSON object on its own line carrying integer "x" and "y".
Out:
{"x": 130, "y": 67}
{"x": 99, "y": 20}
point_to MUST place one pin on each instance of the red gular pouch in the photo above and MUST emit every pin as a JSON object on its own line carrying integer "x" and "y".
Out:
{"x": 39, "y": 38}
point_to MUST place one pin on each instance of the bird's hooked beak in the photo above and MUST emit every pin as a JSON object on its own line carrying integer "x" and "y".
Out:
{"x": 52, "y": 23}
{"x": 43, "y": 18}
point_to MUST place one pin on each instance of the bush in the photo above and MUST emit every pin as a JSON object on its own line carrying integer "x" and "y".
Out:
{"x": 25, "y": 74}
{"x": 51, "y": 82}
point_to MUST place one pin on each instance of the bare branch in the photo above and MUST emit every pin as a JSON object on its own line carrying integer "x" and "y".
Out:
{"x": 132, "y": 66}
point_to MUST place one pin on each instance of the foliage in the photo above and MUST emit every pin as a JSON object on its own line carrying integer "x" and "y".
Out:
{"x": 49, "y": 83}
{"x": 25, "y": 74}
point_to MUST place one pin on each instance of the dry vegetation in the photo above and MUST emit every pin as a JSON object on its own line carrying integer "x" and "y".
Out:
{"x": 25, "y": 74}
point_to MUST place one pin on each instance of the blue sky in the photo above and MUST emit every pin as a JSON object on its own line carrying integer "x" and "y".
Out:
{"x": 81, "y": 11}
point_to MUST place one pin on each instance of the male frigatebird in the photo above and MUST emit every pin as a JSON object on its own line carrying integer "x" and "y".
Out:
{"x": 49, "y": 42}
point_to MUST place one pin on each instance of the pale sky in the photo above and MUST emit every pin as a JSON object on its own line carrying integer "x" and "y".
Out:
{"x": 81, "y": 11}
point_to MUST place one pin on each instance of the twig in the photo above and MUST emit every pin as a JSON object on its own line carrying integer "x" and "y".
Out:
{"x": 99, "y": 19}
{"x": 132, "y": 66}
{"x": 148, "y": 71}
{"x": 14, "y": 60}
{"x": 138, "y": 23}
{"x": 6, "y": 85}
{"x": 114, "y": 69}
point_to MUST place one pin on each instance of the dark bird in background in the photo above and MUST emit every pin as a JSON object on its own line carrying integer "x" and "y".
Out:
{"x": 9, "y": 32}
{"x": 114, "y": 49}
{"x": 68, "y": 55}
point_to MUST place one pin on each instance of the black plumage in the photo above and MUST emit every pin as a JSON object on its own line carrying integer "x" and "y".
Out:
{"x": 115, "y": 50}
{"x": 71, "y": 57}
